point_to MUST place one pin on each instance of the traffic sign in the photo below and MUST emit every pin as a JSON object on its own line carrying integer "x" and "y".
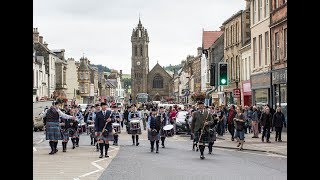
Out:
{"x": 236, "y": 93}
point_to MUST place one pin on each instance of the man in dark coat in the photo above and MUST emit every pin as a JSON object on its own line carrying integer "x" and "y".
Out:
{"x": 266, "y": 123}
{"x": 103, "y": 128}
{"x": 201, "y": 120}
{"x": 278, "y": 121}
{"x": 154, "y": 126}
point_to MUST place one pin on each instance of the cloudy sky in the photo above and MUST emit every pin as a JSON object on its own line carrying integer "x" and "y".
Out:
{"x": 101, "y": 29}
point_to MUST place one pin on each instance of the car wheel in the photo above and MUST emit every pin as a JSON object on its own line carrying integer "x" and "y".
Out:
{"x": 35, "y": 129}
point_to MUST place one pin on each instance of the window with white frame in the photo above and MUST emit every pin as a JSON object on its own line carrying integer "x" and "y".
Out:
{"x": 254, "y": 51}
{"x": 260, "y": 50}
{"x": 266, "y": 8}
{"x": 231, "y": 69}
{"x": 267, "y": 48}
{"x": 236, "y": 32}
{"x": 276, "y": 2}
{"x": 285, "y": 43}
{"x": 254, "y": 13}
{"x": 277, "y": 47}
{"x": 259, "y": 10}
{"x": 249, "y": 71}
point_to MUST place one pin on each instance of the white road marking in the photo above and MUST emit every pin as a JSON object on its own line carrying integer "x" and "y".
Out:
{"x": 268, "y": 154}
{"x": 40, "y": 141}
{"x": 34, "y": 149}
{"x": 96, "y": 165}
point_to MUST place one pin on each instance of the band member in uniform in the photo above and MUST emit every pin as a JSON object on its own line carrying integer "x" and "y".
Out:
{"x": 65, "y": 125}
{"x": 74, "y": 130}
{"x": 212, "y": 132}
{"x": 134, "y": 114}
{"x": 154, "y": 126}
{"x": 53, "y": 133}
{"x": 90, "y": 121}
{"x": 115, "y": 117}
{"x": 98, "y": 109}
{"x": 80, "y": 119}
{"x": 103, "y": 128}
{"x": 144, "y": 115}
{"x": 162, "y": 116}
{"x": 201, "y": 120}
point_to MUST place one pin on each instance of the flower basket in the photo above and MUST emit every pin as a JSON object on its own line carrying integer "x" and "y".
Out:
{"x": 198, "y": 96}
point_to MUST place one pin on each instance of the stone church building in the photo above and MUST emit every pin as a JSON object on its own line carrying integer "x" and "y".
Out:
{"x": 157, "y": 82}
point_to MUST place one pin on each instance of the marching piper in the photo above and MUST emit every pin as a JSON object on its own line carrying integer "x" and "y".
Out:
{"x": 115, "y": 117}
{"x": 154, "y": 126}
{"x": 53, "y": 133}
{"x": 162, "y": 116}
{"x": 201, "y": 120}
{"x": 103, "y": 129}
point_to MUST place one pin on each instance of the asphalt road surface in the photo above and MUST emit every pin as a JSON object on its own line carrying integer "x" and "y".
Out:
{"x": 177, "y": 161}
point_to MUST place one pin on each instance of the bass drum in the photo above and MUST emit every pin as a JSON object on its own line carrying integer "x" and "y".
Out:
{"x": 168, "y": 130}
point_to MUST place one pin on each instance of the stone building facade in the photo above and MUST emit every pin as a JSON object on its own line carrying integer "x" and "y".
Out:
{"x": 236, "y": 33}
{"x": 278, "y": 29}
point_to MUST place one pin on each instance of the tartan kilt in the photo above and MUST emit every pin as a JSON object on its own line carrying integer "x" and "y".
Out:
{"x": 75, "y": 134}
{"x": 205, "y": 138}
{"x": 106, "y": 137}
{"x": 162, "y": 133}
{"x": 153, "y": 138}
{"x": 53, "y": 131}
{"x": 91, "y": 132}
{"x": 65, "y": 134}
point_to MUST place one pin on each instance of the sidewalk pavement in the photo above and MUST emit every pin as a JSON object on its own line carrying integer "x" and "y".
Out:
{"x": 255, "y": 144}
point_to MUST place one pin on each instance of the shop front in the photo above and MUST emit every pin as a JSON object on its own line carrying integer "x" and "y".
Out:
{"x": 279, "y": 82}
{"x": 246, "y": 95}
{"x": 229, "y": 95}
{"x": 260, "y": 87}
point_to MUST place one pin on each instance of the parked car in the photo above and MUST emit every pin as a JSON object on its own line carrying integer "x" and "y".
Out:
{"x": 181, "y": 122}
{"x": 38, "y": 124}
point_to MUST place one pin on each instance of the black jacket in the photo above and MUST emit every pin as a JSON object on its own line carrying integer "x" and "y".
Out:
{"x": 266, "y": 120}
{"x": 278, "y": 120}
{"x": 101, "y": 120}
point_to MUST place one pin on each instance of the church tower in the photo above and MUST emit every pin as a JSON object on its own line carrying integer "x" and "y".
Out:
{"x": 139, "y": 60}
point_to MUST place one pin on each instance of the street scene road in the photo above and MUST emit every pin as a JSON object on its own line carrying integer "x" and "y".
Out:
{"x": 175, "y": 161}
{"x": 209, "y": 72}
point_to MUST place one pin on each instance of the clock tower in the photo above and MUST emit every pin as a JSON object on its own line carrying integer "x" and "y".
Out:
{"x": 139, "y": 61}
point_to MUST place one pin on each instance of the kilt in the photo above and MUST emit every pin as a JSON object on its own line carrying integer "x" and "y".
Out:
{"x": 73, "y": 132}
{"x": 205, "y": 138}
{"x": 53, "y": 131}
{"x": 91, "y": 132}
{"x": 65, "y": 134}
{"x": 134, "y": 132}
{"x": 153, "y": 138}
{"x": 106, "y": 137}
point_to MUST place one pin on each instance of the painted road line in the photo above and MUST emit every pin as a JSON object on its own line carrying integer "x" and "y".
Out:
{"x": 34, "y": 149}
{"x": 96, "y": 165}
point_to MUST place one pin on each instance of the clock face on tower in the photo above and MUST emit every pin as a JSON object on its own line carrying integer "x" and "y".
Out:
{"x": 138, "y": 63}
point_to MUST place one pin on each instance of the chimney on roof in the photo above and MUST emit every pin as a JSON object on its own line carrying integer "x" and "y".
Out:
{"x": 41, "y": 39}
{"x": 247, "y": 4}
{"x": 120, "y": 74}
{"x": 45, "y": 44}
{"x": 35, "y": 35}
{"x": 199, "y": 51}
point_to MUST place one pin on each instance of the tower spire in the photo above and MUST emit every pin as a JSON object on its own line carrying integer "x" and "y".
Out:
{"x": 139, "y": 25}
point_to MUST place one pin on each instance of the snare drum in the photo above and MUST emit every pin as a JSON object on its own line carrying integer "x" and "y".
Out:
{"x": 116, "y": 127}
{"x": 135, "y": 126}
{"x": 168, "y": 130}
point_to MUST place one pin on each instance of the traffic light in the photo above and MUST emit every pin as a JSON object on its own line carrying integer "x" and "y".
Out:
{"x": 223, "y": 74}
{"x": 212, "y": 75}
